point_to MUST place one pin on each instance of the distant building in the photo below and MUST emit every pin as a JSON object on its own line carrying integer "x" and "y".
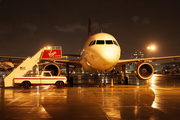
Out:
{"x": 138, "y": 54}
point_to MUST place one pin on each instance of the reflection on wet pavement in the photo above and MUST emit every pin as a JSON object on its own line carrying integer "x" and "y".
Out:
{"x": 158, "y": 99}
{"x": 167, "y": 95}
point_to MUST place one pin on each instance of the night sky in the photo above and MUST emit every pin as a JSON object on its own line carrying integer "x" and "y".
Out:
{"x": 28, "y": 25}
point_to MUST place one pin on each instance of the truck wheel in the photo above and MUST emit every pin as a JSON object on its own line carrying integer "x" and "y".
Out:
{"x": 26, "y": 84}
{"x": 59, "y": 84}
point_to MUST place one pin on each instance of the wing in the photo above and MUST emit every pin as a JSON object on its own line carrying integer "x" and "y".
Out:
{"x": 73, "y": 55}
{"x": 128, "y": 61}
{"x": 68, "y": 62}
{"x": 10, "y": 57}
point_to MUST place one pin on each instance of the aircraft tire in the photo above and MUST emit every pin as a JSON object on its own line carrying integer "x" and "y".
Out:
{"x": 119, "y": 80}
{"x": 71, "y": 81}
{"x": 126, "y": 80}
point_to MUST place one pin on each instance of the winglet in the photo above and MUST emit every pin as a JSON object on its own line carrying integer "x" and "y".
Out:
{"x": 89, "y": 27}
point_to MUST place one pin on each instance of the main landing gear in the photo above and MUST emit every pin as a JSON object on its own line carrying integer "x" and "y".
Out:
{"x": 69, "y": 79}
{"x": 124, "y": 74}
{"x": 125, "y": 80}
{"x": 122, "y": 78}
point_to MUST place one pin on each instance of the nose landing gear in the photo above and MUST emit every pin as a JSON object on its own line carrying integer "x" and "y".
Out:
{"x": 102, "y": 81}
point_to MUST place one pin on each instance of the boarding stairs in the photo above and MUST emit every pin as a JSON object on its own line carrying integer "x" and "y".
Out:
{"x": 23, "y": 68}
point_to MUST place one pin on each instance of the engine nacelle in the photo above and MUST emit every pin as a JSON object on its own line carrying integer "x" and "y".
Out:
{"x": 144, "y": 71}
{"x": 53, "y": 67}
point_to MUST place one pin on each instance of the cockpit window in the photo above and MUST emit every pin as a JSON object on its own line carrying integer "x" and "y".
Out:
{"x": 109, "y": 42}
{"x": 100, "y": 42}
{"x": 91, "y": 43}
{"x": 115, "y": 43}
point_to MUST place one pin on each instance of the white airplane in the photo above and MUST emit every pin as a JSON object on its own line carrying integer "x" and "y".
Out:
{"x": 101, "y": 53}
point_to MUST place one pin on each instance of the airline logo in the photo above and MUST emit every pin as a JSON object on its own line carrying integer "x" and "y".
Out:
{"x": 51, "y": 54}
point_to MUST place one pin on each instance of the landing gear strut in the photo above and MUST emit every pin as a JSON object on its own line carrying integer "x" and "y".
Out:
{"x": 101, "y": 83}
{"x": 125, "y": 78}
{"x": 69, "y": 79}
{"x": 122, "y": 78}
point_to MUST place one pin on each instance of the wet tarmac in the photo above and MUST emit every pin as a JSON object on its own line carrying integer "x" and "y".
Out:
{"x": 156, "y": 99}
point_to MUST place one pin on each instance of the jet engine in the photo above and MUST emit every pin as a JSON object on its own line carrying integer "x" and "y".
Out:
{"x": 144, "y": 71}
{"x": 53, "y": 67}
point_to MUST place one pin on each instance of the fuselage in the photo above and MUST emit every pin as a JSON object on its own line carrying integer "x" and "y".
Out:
{"x": 100, "y": 53}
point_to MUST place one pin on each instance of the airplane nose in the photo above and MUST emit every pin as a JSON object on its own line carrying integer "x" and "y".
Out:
{"x": 110, "y": 54}
{"x": 103, "y": 57}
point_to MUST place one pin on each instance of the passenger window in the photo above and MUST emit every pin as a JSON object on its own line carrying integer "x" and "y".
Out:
{"x": 91, "y": 43}
{"x": 109, "y": 42}
{"x": 100, "y": 42}
{"x": 115, "y": 43}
